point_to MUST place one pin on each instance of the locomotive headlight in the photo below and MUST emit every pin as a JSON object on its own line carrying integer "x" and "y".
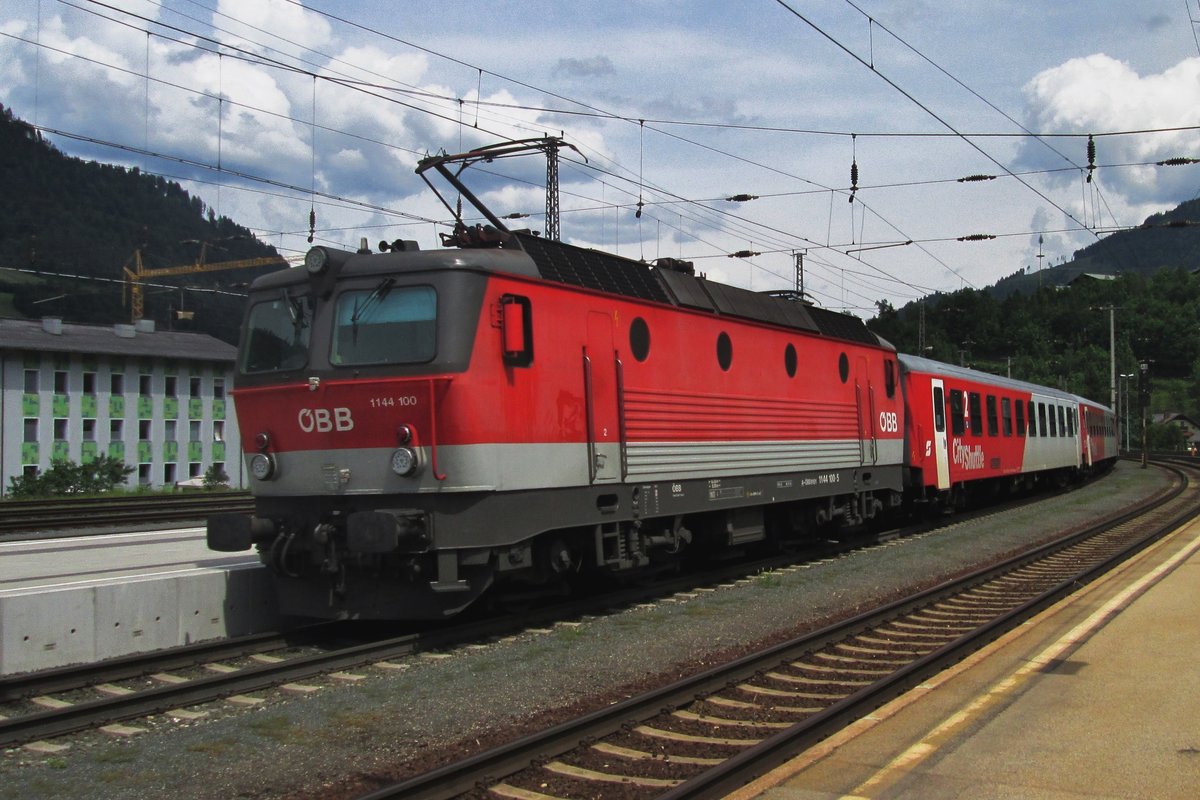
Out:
{"x": 404, "y": 461}
{"x": 262, "y": 466}
{"x": 315, "y": 260}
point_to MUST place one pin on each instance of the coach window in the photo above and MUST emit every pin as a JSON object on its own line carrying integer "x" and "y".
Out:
{"x": 976, "y": 413}
{"x": 724, "y": 351}
{"x": 1006, "y": 416}
{"x": 1032, "y": 418}
{"x": 1062, "y": 421}
{"x": 993, "y": 424}
{"x": 1020, "y": 417}
{"x": 1042, "y": 420}
{"x": 939, "y": 409}
{"x": 1053, "y": 424}
{"x": 957, "y": 425}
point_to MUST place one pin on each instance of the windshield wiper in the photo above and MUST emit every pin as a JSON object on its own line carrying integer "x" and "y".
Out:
{"x": 377, "y": 294}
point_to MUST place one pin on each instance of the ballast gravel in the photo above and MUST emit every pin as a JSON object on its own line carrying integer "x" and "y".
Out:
{"x": 384, "y": 723}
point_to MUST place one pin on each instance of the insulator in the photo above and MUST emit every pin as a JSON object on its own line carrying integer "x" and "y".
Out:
{"x": 1091, "y": 153}
{"x": 742, "y": 198}
{"x": 971, "y": 178}
{"x": 1178, "y": 162}
{"x": 312, "y": 223}
{"x": 977, "y": 237}
{"x": 853, "y": 179}
{"x": 744, "y": 254}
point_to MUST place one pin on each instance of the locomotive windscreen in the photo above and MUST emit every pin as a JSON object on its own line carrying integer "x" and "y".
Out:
{"x": 385, "y": 325}
{"x": 277, "y": 333}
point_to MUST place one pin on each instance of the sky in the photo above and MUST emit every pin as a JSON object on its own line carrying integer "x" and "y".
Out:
{"x": 850, "y": 122}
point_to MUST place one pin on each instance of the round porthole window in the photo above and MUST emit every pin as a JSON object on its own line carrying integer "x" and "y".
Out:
{"x": 639, "y": 338}
{"x": 843, "y": 367}
{"x": 789, "y": 360}
{"x": 724, "y": 351}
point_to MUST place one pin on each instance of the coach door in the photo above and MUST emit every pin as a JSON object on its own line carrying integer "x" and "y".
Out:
{"x": 940, "y": 442}
{"x": 600, "y": 388}
{"x": 1085, "y": 433}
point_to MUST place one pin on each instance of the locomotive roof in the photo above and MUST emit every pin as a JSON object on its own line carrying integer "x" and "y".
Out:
{"x": 535, "y": 257}
{"x": 919, "y": 364}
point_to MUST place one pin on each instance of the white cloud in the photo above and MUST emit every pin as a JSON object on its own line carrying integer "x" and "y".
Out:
{"x": 278, "y": 21}
{"x": 1099, "y": 93}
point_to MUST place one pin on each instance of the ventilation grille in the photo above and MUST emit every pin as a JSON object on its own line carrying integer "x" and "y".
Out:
{"x": 592, "y": 269}
{"x": 841, "y": 326}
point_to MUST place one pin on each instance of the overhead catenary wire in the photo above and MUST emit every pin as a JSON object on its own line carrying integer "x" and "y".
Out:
{"x": 383, "y": 91}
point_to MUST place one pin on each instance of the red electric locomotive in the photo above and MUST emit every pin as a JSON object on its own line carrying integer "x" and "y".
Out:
{"x": 420, "y": 425}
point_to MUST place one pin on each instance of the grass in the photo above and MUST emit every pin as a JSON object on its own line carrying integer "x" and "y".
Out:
{"x": 116, "y": 755}
{"x": 216, "y": 747}
{"x": 277, "y": 728}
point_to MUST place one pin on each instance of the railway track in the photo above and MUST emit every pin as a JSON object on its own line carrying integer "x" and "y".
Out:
{"x": 62, "y": 514}
{"x": 55, "y": 703}
{"x": 712, "y": 732}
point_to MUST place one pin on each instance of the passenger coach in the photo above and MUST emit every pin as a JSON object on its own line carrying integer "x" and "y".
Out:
{"x": 968, "y": 429}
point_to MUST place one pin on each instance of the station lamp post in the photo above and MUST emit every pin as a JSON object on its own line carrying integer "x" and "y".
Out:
{"x": 1125, "y": 392}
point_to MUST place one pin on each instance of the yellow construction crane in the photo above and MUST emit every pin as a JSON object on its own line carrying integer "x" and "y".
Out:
{"x": 134, "y": 277}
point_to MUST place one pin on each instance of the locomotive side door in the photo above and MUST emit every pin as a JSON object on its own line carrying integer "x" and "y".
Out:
{"x": 600, "y": 389}
{"x": 864, "y": 396}
{"x": 940, "y": 444}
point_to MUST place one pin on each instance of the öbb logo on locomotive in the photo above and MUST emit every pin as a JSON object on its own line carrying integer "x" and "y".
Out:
{"x": 324, "y": 420}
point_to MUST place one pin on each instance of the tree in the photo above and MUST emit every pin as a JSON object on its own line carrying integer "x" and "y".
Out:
{"x": 216, "y": 478}
{"x": 66, "y": 477}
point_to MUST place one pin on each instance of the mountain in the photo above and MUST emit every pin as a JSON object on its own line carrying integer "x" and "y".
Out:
{"x": 63, "y": 216}
{"x": 1167, "y": 240}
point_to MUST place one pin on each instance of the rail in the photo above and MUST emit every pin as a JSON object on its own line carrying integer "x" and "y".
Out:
{"x": 67, "y": 515}
{"x": 843, "y": 672}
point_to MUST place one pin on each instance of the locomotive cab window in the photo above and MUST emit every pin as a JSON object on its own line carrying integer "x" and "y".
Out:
{"x": 277, "y": 332}
{"x": 385, "y": 324}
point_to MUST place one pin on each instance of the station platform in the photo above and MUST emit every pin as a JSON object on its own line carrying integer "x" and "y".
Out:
{"x": 82, "y": 599}
{"x": 1095, "y": 698}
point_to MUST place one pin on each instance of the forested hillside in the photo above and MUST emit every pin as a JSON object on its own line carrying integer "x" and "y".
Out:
{"x": 1060, "y": 336}
{"x": 68, "y": 216}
